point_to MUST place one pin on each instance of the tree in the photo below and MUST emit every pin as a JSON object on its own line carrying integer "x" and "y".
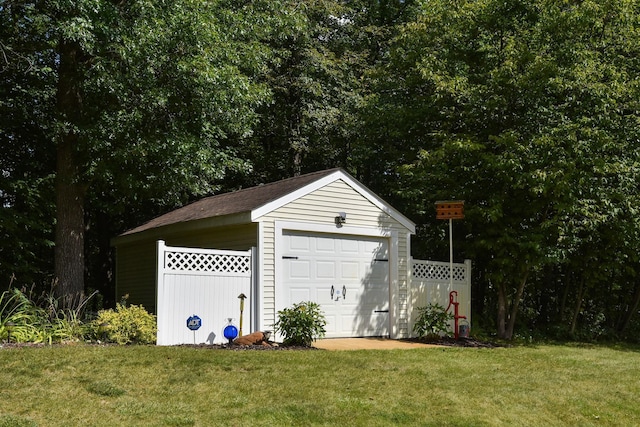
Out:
{"x": 527, "y": 111}
{"x": 26, "y": 166}
{"x": 136, "y": 98}
{"x": 312, "y": 77}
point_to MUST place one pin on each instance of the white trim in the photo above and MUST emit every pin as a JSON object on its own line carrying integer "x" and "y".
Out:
{"x": 290, "y": 197}
{"x": 394, "y": 286}
{"x": 259, "y": 306}
{"x": 314, "y": 227}
{"x": 255, "y": 290}
{"x": 321, "y": 182}
{"x": 160, "y": 249}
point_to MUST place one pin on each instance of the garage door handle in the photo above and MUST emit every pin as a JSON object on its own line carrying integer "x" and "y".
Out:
{"x": 332, "y": 291}
{"x": 380, "y": 311}
{"x": 344, "y": 292}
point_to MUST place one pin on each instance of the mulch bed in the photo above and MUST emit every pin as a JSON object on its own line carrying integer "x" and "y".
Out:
{"x": 444, "y": 341}
{"x": 235, "y": 347}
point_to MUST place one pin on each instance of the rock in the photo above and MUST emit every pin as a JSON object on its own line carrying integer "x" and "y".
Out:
{"x": 254, "y": 338}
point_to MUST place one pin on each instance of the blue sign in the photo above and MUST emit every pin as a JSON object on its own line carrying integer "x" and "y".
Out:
{"x": 194, "y": 323}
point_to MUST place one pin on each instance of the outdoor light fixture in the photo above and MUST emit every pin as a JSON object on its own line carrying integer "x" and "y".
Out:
{"x": 340, "y": 219}
{"x": 9, "y": 326}
{"x": 102, "y": 330}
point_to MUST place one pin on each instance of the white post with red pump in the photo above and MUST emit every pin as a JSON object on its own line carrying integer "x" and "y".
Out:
{"x": 451, "y": 210}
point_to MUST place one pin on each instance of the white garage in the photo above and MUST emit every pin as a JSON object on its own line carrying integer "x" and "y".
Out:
{"x": 321, "y": 237}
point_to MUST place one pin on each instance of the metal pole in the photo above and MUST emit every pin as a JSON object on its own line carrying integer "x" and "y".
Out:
{"x": 450, "y": 254}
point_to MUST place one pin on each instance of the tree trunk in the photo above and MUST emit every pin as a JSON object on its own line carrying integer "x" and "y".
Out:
{"x": 70, "y": 194}
{"x": 565, "y": 296}
{"x": 631, "y": 310}
{"x": 515, "y": 305}
{"x": 507, "y": 312}
{"x": 576, "y": 311}
{"x": 502, "y": 311}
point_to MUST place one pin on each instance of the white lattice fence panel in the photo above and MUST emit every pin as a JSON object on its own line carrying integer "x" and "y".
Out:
{"x": 438, "y": 271}
{"x": 207, "y": 262}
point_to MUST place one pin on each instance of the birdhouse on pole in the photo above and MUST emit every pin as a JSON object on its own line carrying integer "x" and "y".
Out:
{"x": 450, "y": 210}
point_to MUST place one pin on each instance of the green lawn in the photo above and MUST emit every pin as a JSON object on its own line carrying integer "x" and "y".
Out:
{"x": 182, "y": 386}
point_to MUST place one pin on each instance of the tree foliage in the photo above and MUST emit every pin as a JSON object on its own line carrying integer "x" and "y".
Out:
{"x": 526, "y": 111}
{"x": 120, "y": 102}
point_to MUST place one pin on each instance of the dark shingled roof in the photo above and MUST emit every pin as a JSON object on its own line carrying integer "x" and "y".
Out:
{"x": 244, "y": 200}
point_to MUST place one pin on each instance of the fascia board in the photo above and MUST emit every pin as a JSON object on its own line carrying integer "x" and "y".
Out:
{"x": 294, "y": 195}
{"x": 381, "y": 204}
{"x": 159, "y": 233}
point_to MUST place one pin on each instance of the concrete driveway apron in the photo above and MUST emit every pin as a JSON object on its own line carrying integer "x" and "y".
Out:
{"x": 367, "y": 344}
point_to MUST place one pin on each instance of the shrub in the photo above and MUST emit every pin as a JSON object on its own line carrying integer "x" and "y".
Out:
{"x": 432, "y": 321}
{"x": 21, "y": 320}
{"x": 301, "y": 324}
{"x": 125, "y": 325}
{"x": 25, "y": 317}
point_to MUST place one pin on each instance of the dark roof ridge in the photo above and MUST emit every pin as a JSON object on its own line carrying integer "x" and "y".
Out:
{"x": 279, "y": 182}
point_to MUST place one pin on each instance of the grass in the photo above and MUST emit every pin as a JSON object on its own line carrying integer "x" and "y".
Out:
{"x": 183, "y": 386}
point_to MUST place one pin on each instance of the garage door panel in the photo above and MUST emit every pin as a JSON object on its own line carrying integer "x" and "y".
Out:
{"x": 325, "y": 245}
{"x": 372, "y": 323}
{"x": 299, "y": 269}
{"x": 350, "y": 270}
{"x": 299, "y": 244}
{"x": 332, "y": 327}
{"x": 323, "y": 294}
{"x": 301, "y": 294}
{"x": 372, "y": 247}
{"x": 349, "y": 247}
{"x": 325, "y": 269}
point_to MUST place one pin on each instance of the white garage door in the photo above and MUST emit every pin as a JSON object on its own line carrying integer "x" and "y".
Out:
{"x": 347, "y": 275}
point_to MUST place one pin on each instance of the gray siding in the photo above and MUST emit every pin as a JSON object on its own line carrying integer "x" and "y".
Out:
{"x": 136, "y": 274}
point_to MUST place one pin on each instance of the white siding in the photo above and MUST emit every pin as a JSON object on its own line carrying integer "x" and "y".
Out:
{"x": 319, "y": 208}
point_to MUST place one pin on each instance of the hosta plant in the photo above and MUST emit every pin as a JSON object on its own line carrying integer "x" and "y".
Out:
{"x": 301, "y": 324}
{"x": 433, "y": 321}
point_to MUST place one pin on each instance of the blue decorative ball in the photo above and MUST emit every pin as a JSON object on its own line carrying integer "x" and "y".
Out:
{"x": 230, "y": 332}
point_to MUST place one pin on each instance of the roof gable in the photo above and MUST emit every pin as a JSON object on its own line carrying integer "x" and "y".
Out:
{"x": 334, "y": 175}
{"x": 263, "y": 199}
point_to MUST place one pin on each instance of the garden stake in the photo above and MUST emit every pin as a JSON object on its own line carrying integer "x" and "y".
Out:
{"x": 242, "y": 297}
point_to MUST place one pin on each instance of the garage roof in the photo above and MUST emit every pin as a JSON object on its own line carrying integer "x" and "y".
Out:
{"x": 264, "y": 198}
